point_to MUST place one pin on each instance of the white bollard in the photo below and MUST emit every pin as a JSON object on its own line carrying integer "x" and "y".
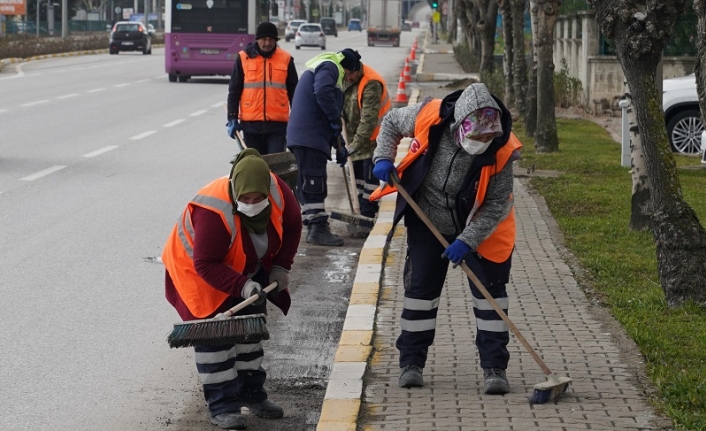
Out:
{"x": 625, "y": 139}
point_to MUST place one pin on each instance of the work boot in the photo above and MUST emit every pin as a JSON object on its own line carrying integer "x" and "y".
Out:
{"x": 495, "y": 381}
{"x": 320, "y": 234}
{"x": 232, "y": 421}
{"x": 411, "y": 377}
{"x": 265, "y": 409}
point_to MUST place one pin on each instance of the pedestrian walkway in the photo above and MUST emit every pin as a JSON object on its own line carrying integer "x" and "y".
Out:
{"x": 547, "y": 306}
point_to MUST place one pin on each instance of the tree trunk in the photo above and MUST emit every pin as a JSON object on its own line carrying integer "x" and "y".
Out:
{"x": 700, "y": 66}
{"x": 546, "y": 137}
{"x": 531, "y": 118}
{"x": 641, "y": 205}
{"x": 508, "y": 53}
{"x": 519, "y": 63}
{"x": 680, "y": 239}
{"x": 488, "y": 10}
{"x": 451, "y": 17}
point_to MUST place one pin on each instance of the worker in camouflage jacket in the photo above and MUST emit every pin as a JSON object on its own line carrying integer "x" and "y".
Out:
{"x": 365, "y": 102}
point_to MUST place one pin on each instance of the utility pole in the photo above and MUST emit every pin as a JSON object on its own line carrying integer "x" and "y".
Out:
{"x": 64, "y": 18}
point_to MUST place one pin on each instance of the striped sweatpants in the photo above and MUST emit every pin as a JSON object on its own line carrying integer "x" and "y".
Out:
{"x": 424, "y": 275}
{"x": 230, "y": 375}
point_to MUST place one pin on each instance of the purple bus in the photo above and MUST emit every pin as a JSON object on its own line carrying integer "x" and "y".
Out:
{"x": 203, "y": 37}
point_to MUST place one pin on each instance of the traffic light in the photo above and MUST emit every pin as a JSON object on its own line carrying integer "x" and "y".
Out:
{"x": 434, "y": 4}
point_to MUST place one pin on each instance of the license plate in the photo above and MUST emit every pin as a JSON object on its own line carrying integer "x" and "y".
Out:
{"x": 210, "y": 51}
{"x": 127, "y": 43}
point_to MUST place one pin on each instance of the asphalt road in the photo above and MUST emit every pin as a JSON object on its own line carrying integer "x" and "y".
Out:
{"x": 98, "y": 156}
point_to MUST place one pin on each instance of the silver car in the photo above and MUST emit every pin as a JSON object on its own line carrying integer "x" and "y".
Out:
{"x": 310, "y": 34}
{"x": 291, "y": 28}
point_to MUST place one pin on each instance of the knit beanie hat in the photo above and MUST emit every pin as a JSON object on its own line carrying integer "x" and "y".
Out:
{"x": 351, "y": 60}
{"x": 266, "y": 29}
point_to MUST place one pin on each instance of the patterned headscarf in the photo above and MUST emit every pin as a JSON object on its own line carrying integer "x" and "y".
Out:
{"x": 480, "y": 122}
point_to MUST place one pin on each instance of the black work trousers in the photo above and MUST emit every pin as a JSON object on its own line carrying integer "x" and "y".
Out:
{"x": 424, "y": 275}
{"x": 266, "y": 143}
{"x": 311, "y": 184}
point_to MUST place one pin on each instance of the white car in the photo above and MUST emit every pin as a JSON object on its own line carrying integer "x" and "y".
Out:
{"x": 291, "y": 28}
{"x": 310, "y": 34}
{"x": 680, "y": 103}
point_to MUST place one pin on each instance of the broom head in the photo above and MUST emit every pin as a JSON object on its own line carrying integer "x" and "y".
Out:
{"x": 353, "y": 219}
{"x": 550, "y": 390}
{"x": 219, "y": 331}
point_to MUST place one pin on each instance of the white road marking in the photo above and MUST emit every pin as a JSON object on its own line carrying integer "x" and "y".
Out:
{"x": 217, "y": 105}
{"x": 142, "y": 80}
{"x": 39, "y": 102}
{"x": 101, "y": 151}
{"x": 66, "y": 96}
{"x": 174, "y": 123}
{"x": 143, "y": 135}
{"x": 197, "y": 113}
{"x": 121, "y": 85}
{"x": 4, "y": 110}
{"x": 43, "y": 173}
{"x": 95, "y": 90}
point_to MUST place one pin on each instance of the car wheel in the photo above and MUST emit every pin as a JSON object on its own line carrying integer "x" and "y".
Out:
{"x": 323, "y": 48}
{"x": 297, "y": 47}
{"x": 183, "y": 78}
{"x": 684, "y": 131}
{"x": 172, "y": 77}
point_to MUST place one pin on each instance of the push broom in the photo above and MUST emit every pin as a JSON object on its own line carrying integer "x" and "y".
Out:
{"x": 222, "y": 329}
{"x": 544, "y": 392}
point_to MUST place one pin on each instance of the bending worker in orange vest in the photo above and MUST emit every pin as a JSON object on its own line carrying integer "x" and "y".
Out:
{"x": 260, "y": 92}
{"x": 459, "y": 171}
{"x": 365, "y": 103}
{"x": 239, "y": 233}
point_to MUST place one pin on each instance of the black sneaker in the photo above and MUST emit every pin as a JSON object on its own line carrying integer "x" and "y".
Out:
{"x": 232, "y": 421}
{"x": 411, "y": 377}
{"x": 265, "y": 409}
{"x": 495, "y": 381}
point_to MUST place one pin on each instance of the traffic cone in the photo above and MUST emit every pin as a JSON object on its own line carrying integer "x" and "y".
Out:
{"x": 413, "y": 52}
{"x": 401, "y": 90}
{"x": 406, "y": 72}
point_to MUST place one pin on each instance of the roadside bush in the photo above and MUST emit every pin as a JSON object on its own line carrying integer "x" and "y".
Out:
{"x": 567, "y": 89}
{"x": 468, "y": 62}
{"x": 26, "y": 46}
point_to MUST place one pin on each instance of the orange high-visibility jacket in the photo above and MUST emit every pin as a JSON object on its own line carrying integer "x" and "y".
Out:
{"x": 264, "y": 96}
{"x": 200, "y": 297}
{"x": 499, "y": 245}
{"x": 369, "y": 74}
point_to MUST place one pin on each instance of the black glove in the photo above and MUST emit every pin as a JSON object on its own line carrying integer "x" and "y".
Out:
{"x": 342, "y": 155}
{"x": 337, "y": 127}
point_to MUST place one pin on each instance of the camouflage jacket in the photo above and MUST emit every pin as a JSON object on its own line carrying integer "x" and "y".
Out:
{"x": 360, "y": 125}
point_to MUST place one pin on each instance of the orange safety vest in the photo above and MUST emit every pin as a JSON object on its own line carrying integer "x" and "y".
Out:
{"x": 499, "y": 245}
{"x": 264, "y": 96}
{"x": 369, "y": 74}
{"x": 201, "y": 298}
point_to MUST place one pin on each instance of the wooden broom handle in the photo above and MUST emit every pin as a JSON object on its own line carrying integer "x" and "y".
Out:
{"x": 395, "y": 180}
{"x": 232, "y": 311}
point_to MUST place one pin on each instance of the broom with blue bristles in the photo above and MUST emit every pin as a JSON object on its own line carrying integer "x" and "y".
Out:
{"x": 544, "y": 392}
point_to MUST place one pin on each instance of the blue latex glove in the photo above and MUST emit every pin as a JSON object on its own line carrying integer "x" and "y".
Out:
{"x": 456, "y": 251}
{"x": 232, "y": 126}
{"x": 342, "y": 155}
{"x": 382, "y": 169}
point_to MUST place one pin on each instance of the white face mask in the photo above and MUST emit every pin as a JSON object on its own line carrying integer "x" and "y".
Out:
{"x": 251, "y": 210}
{"x": 473, "y": 147}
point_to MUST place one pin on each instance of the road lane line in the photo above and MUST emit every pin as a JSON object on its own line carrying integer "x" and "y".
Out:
{"x": 217, "y": 105}
{"x": 121, "y": 85}
{"x": 197, "y": 113}
{"x": 143, "y": 135}
{"x": 174, "y": 123}
{"x": 39, "y": 102}
{"x": 142, "y": 80}
{"x": 66, "y": 96}
{"x": 4, "y": 110}
{"x": 101, "y": 151}
{"x": 43, "y": 173}
{"x": 95, "y": 90}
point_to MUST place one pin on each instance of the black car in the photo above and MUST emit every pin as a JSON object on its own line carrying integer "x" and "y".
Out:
{"x": 130, "y": 36}
{"x": 329, "y": 26}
